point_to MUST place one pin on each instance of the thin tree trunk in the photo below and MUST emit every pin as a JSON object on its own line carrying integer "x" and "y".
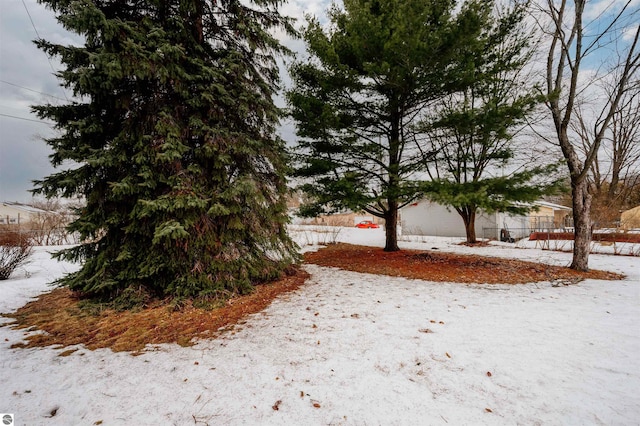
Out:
{"x": 391, "y": 215}
{"x": 469, "y": 218}
{"x": 198, "y": 26}
{"x": 615, "y": 179}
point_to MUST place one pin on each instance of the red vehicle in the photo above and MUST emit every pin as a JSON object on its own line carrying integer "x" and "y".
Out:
{"x": 366, "y": 224}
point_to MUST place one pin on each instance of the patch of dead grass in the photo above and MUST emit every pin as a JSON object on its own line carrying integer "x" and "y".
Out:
{"x": 65, "y": 323}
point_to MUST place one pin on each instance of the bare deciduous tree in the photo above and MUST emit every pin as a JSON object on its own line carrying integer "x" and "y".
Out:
{"x": 49, "y": 227}
{"x": 615, "y": 173}
{"x": 573, "y": 41}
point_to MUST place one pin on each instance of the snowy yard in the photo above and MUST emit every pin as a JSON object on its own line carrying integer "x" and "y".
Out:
{"x": 358, "y": 349}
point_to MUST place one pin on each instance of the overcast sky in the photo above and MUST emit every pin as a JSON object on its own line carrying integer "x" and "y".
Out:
{"x": 23, "y": 155}
{"x": 26, "y": 78}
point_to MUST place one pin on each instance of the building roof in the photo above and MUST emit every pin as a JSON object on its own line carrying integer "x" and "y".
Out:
{"x": 552, "y": 205}
{"x": 535, "y": 203}
{"x": 23, "y": 207}
{"x": 632, "y": 211}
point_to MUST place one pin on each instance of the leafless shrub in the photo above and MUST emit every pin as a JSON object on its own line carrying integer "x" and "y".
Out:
{"x": 307, "y": 235}
{"x": 49, "y": 226}
{"x": 15, "y": 249}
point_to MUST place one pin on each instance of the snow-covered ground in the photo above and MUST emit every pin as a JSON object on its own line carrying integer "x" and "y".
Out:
{"x": 358, "y": 349}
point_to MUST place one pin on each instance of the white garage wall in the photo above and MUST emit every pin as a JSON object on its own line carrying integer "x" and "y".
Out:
{"x": 428, "y": 218}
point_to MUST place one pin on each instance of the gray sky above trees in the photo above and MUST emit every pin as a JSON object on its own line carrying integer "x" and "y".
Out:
{"x": 26, "y": 78}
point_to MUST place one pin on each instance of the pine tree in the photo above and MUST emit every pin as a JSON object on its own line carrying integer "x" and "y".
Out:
{"x": 471, "y": 131}
{"x": 358, "y": 99}
{"x": 173, "y": 145}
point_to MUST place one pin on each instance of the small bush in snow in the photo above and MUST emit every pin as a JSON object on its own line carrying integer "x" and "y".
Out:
{"x": 15, "y": 249}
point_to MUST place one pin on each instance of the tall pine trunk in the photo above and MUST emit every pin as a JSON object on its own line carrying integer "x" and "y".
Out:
{"x": 468, "y": 215}
{"x": 470, "y": 227}
{"x": 391, "y": 215}
{"x": 391, "y": 227}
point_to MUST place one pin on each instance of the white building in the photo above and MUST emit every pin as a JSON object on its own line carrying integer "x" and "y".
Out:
{"x": 18, "y": 214}
{"x": 433, "y": 219}
{"x": 630, "y": 219}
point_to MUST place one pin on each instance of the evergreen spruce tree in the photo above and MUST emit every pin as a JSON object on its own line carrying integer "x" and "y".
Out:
{"x": 173, "y": 142}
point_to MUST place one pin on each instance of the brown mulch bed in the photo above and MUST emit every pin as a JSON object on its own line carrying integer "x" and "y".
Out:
{"x": 65, "y": 322}
{"x": 445, "y": 267}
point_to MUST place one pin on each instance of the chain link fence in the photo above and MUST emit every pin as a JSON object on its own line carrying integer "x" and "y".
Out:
{"x": 608, "y": 233}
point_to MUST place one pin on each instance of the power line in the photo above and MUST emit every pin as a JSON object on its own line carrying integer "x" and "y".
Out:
{"x": 27, "y": 119}
{"x": 31, "y": 90}
{"x": 40, "y": 38}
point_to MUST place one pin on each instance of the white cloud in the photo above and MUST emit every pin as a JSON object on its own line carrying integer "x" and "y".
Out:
{"x": 596, "y": 9}
{"x": 299, "y": 8}
{"x": 629, "y": 33}
{"x": 599, "y": 9}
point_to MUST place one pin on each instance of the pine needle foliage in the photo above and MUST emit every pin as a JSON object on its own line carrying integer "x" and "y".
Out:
{"x": 173, "y": 142}
{"x": 359, "y": 98}
{"x": 473, "y": 130}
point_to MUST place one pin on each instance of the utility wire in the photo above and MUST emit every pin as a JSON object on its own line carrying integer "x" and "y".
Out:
{"x": 40, "y": 38}
{"x": 31, "y": 90}
{"x": 27, "y": 119}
